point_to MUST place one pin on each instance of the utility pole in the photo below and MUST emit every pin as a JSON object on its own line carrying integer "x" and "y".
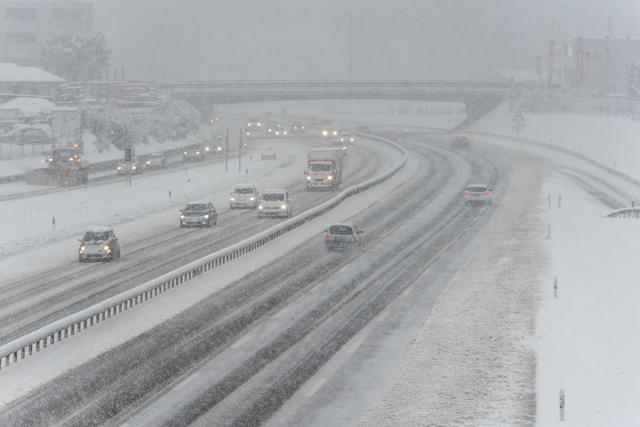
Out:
{"x": 226, "y": 150}
{"x": 240, "y": 152}
{"x": 350, "y": 37}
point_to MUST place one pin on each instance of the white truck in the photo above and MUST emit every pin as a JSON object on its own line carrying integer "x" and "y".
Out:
{"x": 324, "y": 168}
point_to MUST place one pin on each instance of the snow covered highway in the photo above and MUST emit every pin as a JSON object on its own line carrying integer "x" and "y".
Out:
{"x": 326, "y": 296}
{"x": 41, "y": 298}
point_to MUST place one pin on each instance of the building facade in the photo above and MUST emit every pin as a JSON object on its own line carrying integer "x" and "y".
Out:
{"x": 25, "y": 25}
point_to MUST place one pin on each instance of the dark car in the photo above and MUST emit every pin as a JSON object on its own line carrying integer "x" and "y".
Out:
{"x": 342, "y": 236}
{"x": 99, "y": 244}
{"x": 199, "y": 214}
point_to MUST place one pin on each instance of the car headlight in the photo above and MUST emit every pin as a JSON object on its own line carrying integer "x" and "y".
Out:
{"x": 283, "y": 207}
{"x": 106, "y": 248}
{"x": 352, "y": 139}
{"x": 325, "y": 133}
{"x": 269, "y": 130}
{"x": 233, "y": 199}
{"x": 119, "y": 168}
{"x": 219, "y": 148}
{"x": 206, "y": 217}
{"x": 181, "y": 216}
{"x": 335, "y": 133}
{"x": 329, "y": 178}
{"x": 197, "y": 152}
{"x": 148, "y": 162}
{"x": 251, "y": 199}
{"x": 133, "y": 167}
{"x": 83, "y": 248}
{"x": 206, "y": 148}
{"x": 284, "y": 133}
{"x": 308, "y": 178}
{"x": 185, "y": 152}
{"x": 260, "y": 207}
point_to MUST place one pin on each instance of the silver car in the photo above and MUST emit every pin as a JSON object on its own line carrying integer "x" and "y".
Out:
{"x": 99, "y": 244}
{"x": 478, "y": 194}
{"x": 244, "y": 196}
{"x": 342, "y": 236}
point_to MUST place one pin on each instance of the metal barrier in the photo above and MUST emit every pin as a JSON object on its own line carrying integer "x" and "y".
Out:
{"x": 36, "y": 341}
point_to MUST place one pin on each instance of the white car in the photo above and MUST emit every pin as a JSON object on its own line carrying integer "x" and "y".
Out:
{"x": 477, "y": 194}
{"x": 275, "y": 203}
{"x": 347, "y": 138}
{"x": 244, "y": 196}
{"x": 157, "y": 160}
{"x": 268, "y": 154}
{"x": 130, "y": 168}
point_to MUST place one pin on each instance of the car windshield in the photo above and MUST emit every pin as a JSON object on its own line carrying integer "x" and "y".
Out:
{"x": 477, "y": 189}
{"x": 243, "y": 191}
{"x": 95, "y": 236}
{"x": 197, "y": 207}
{"x": 340, "y": 229}
{"x": 320, "y": 167}
{"x": 273, "y": 197}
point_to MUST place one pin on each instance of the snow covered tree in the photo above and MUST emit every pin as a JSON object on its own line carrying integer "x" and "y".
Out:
{"x": 76, "y": 57}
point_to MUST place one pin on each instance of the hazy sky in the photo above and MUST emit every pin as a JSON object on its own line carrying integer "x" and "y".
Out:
{"x": 302, "y": 39}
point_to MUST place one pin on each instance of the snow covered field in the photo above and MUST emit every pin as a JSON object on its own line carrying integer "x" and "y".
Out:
{"x": 380, "y": 113}
{"x": 611, "y": 141}
{"x": 587, "y": 336}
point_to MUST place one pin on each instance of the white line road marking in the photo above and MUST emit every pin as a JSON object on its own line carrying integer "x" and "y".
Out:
{"x": 352, "y": 347}
{"x": 312, "y": 390}
{"x": 383, "y": 315}
{"x": 241, "y": 341}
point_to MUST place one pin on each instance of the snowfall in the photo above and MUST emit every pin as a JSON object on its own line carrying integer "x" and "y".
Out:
{"x": 467, "y": 364}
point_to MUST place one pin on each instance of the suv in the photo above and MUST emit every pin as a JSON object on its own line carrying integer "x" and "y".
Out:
{"x": 99, "y": 244}
{"x": 342, "y": 236}
{"x": 243, "y": 196}
{"x": 275, "y": 203}
{"x": 198, "y": 214}
{"x": 478, "y": 194}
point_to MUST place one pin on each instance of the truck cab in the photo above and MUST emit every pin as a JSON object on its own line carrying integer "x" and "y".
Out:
{"x": 324, "y": 168}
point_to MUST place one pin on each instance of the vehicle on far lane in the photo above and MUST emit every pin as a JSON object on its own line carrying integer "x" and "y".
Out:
{"x": 244, "y": 196}
{"x": 156, "y": 161}
{"x": 99, "y": 244}
{"x": 193, "y": 155}
{"x": 347, "y": 138}
{"x": 477, "y": 194}
{"x": 275, "y": 203}
{"x": 460, "y": 142}
{"x": 342, "y": 236}
{"x": 198, "y": 214}
{"x": 268, "y": 154}
{"x": 135, "y": 166}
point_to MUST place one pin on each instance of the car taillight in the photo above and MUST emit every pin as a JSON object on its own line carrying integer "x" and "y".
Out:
{"x": 466, "y": 194}
{"x": 327, "y": 238}
{"x": 487, "y": 193}
{"x": 353, "y": 239}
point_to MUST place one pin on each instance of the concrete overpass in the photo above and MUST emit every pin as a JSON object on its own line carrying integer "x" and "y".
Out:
{"x": 479, "y": 97}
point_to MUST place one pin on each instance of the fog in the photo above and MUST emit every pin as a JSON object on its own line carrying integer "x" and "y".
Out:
{"x": 293, "y": 39}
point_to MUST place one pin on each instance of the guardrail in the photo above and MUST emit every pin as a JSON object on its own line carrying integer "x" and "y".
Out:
{"x": 58, "y": 331}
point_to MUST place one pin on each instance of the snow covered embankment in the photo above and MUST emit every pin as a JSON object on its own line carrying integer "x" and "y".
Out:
{"x": 473, "y": 364}
{"x": 610, "y": 141}
{"x": 587, "y": 339}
